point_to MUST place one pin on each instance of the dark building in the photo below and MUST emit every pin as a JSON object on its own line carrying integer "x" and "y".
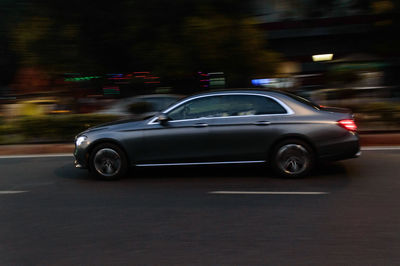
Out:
{"x": 361, "y": 35}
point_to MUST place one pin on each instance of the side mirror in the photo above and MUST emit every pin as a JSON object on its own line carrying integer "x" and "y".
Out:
{"x": 163, "y": 119}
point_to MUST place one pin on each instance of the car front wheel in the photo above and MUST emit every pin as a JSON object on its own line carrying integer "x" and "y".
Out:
{"x": 293, "y": 158}
{"x": 108, "y": 162}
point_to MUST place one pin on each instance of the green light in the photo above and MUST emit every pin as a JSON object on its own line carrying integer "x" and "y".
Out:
{"x": 111, "y": 92}
{"x": 82, "y": 78}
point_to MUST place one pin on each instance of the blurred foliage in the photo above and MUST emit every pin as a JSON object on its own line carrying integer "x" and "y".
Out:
{"x": 384, "y": 111}
{"x": 8, "y": 129}
{"x": 379, "y": 107}
{"x": 172, "y": 39}
{"x": 32, "y": 109}
{"x": 46, "y": 42}
{"x": 342, "y": 77}
{"x": 49, "y": 128}
{"x": 206, "y": 38}
{"x": 234, "y": 46}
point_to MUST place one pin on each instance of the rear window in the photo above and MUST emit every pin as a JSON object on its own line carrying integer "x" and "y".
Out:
{"x": 302, "y": 100}
{"x": 238, "y": 105}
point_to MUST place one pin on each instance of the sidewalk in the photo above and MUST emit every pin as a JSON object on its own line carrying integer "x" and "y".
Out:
{"x": 382, "y": 139}
{"x": 389, "y": 139}
{"x": 24, "y": 149}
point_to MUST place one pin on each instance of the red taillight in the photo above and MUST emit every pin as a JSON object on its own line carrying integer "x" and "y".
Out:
{"x": 348, "y": 124}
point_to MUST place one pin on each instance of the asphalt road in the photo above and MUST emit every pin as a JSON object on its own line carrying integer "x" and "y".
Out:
{"x": 54, "y": 214}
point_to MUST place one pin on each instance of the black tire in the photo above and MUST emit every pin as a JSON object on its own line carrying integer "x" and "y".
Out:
{"x": 107, "y": 161}
{"x": 292, "y": 158}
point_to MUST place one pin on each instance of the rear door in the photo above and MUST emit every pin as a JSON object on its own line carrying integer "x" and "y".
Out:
{"x": 246, "y": 133}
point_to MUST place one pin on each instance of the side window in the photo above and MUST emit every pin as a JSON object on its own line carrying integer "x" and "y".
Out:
{"x": 265, "y": 106}
{"x": 239, "y": 105}
{"x": 242, "y": 105}
{"x": 226, "y": 105}
{"x": 199, "y": 108}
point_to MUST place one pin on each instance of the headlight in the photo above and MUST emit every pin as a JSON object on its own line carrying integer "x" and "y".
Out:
{"x": 80, "y": 140}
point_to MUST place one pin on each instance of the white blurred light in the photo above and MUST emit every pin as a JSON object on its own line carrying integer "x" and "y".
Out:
{"x": 322, "y": 57}
{"x": 80, "y": 140}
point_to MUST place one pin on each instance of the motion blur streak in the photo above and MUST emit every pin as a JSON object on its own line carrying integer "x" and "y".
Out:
{"x": 66, "y": 66}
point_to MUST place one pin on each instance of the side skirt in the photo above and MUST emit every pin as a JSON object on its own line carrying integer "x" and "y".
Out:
{"x": 201, "y": 163}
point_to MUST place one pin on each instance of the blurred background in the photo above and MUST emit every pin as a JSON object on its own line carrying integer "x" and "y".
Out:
{"x": 68, "y": 65}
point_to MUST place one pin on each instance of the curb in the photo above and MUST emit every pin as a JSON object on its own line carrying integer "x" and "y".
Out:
{"x": 26, "y": 149}
{"x": 385, "y": 139}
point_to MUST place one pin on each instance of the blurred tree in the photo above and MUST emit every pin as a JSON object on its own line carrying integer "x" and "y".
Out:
{"x": 234, "y": 46}
{"x": 172, "y": 38}
{"x": 26, "y": 35}
{"x": 202, "y": 37}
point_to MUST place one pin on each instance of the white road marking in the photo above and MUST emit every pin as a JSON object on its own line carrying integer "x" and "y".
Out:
{"x": 269, "y": 192}
{"x": 381, "y": 148}
{"x": 36, "y": 155}
{"x": 2, "y": 192}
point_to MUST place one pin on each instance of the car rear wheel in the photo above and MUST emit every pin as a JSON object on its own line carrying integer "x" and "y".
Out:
{"x": 108, "y": 162}
{"x": 293, "y": 158}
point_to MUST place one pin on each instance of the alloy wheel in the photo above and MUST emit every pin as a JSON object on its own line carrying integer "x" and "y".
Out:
{"x": 107, "y": 162}
{"x": 293, "y": 159}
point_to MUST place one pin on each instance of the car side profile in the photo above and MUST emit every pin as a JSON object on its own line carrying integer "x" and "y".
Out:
{"x": 282, "y": 130}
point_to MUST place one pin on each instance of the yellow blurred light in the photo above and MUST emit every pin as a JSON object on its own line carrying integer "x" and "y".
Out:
{"x": 322, "y": 57}
{"x": 40, "y": 101}
{"x": 60, "y": 111}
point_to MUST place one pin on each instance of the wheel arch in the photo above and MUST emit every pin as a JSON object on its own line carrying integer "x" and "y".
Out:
{"x": 285, "y": 137}
{"x": 103, "y": 141}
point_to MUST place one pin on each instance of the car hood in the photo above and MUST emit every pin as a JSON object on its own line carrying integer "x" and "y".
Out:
{"x": 131, "y": 123}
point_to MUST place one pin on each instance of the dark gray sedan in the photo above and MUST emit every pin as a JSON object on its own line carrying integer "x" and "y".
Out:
{"x": 287, "y": 132}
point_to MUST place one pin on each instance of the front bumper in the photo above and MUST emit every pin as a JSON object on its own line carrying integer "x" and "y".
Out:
{"x": 80, "y": 155}
{"x": 78, "y": 165}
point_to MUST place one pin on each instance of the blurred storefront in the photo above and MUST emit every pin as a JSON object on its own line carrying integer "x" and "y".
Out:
{"x": 357, "y": 39}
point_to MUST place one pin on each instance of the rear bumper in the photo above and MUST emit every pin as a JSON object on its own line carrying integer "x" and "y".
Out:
{"x": 341, "y": 149}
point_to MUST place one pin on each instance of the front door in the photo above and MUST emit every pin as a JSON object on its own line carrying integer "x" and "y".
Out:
{"x": 185, "y": 137}
{"x": 175, "y": 142}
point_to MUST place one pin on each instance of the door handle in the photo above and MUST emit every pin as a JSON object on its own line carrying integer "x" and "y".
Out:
{"x": 262, "y": 123}
{"x": 201, "y": 125}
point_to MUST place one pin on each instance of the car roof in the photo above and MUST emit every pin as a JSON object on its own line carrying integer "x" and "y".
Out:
{"x": 244, "y": 91}
{"x": 295, "y": 102}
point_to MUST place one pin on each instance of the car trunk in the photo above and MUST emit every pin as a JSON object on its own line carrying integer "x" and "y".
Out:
{"x": 338, "y": 113}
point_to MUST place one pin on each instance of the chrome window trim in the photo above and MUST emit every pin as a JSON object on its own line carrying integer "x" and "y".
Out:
{"x": 217, "y": 117}
{"x": 289, "y": 110}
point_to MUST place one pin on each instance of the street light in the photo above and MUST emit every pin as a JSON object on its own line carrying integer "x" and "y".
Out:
{"x": 322, "y": 57}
